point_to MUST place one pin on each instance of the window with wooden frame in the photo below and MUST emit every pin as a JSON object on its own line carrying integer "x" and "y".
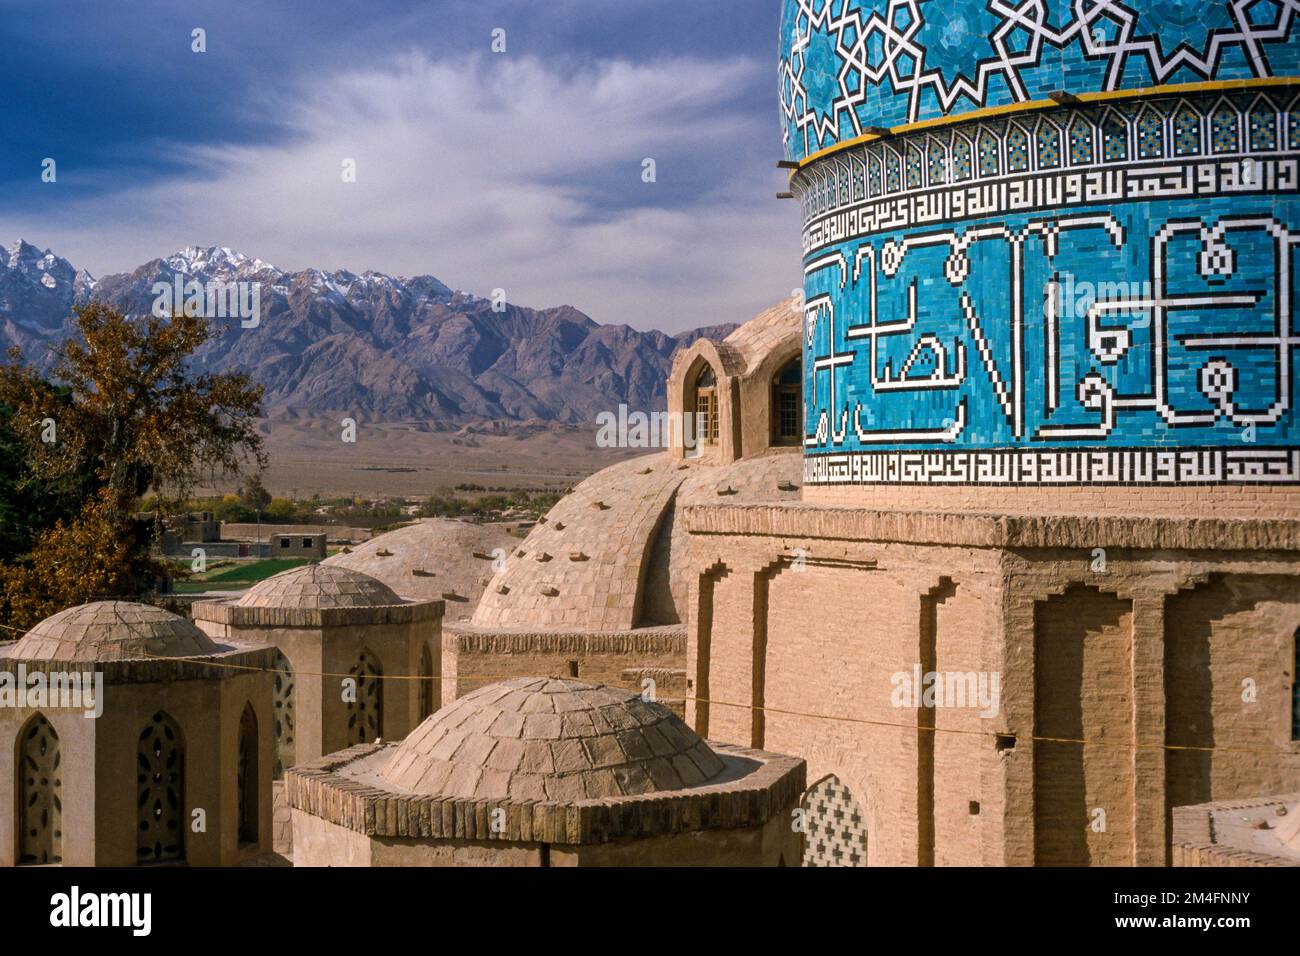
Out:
{"x": 706, "y": 407}
{"x": 787, "y": 404}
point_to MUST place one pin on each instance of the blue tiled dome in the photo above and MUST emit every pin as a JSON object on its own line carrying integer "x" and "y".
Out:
{"x": 851, "y": 64}
{"x": 1047, "y": 242}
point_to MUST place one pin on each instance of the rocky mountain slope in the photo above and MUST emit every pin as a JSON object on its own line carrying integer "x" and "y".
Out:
{"x": 371, "y": 346}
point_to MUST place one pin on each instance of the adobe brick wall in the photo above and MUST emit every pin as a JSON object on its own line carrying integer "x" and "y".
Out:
{"x": 808, "y": 612}
{"x": 473, "y": 658}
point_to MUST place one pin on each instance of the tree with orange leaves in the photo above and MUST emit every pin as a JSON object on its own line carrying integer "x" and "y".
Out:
{"x": 130, "y": 415}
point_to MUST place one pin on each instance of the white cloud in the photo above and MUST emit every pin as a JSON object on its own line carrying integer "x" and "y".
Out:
{"x": 493, "y": 171}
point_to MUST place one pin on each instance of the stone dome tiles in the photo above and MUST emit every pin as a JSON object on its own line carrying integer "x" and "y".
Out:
{"x": 582, "y": 567}
{"x": 755, "y": 339}
{"x": 113, "y": 631}
{"x": 316, "y": 586}
{"x": 436, "y": 559}
{"x": 548, "y": 739}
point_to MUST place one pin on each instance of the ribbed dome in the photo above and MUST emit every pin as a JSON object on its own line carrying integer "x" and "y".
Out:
{"x": 318, "y": 586}
{"x": 112, "y": 631}
{"x": 847, "y": 65}
{"x": 539, "y": 738}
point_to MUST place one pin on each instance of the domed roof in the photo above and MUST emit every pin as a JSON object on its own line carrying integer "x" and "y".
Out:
{"x": 437, "y": 559}
{"x": 319, "y": 586}
{"x": 112, "y": 631}
{"x": 847, "y": 65}
{"x": 768, "y": 330}
{"x": 538, "y": 738}
{"x": 583, "y": 566}
{"x": 627, "y": 565}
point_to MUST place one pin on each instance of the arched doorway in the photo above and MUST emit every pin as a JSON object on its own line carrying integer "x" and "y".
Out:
{"x": 282, "y": 706}
{"x": 705, "y": 406}
{"x": 40, "y": 806}
{"x": 248, "y": 805}
{"x": 365, "y": 709}
{"x": 160, "y": 802}
{"x": 787, "y": 403}
{"x": 835, "y": 826}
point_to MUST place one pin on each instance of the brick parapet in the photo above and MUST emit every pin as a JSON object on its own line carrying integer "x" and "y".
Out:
{"x": 992, "y": 530}
{"x": 1194, "y": 842}
{"x": 644, "y": 640}
{"x": 321, "y": 788}
{"x": 156, "y": 670}
{"x": 231, "y": 614}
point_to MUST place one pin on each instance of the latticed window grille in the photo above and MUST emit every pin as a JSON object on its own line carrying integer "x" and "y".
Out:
{"x": 160, "y": 804}
{"x": 365, "y": 713}
{"x": 835, "y": 828}
{"x": 282, "y": 706}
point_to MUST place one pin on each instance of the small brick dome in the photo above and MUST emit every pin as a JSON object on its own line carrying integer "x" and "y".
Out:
{"x": 539, "y": 738}
{"x": 112, "y": 631}
{"x": 319, "y": 586}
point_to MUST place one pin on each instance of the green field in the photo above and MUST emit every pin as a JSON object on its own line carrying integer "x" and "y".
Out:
{"x": 254, "y": 571}
{"x": 236, "y": 575}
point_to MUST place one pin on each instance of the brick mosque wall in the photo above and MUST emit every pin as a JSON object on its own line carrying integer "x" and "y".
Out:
{"x": 1209, "y": 501}
{"x": 473, "y": 658}
{"x": 1083, "y": 652}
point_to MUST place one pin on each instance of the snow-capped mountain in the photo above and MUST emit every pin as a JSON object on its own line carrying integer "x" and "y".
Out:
{"x": 37, "y": 290}
{"x": 369, "y": 345}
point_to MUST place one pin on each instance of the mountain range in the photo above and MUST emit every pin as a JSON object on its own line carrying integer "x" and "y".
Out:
{"x": 370, "y": 346}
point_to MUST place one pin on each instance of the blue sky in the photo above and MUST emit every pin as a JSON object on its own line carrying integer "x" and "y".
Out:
{"x": 519, "y": 171}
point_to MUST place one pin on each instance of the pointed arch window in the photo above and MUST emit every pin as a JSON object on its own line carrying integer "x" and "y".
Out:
{"x": 426, "y": 682}
{"x": 1295, "y": 687}
{"x": 40, "y": 801}
{"x": 160, "y": 800}
{"x": 247, "y": 777}
{"x": 706, "y": 407}
{"x": 836, "y": 826}
{"x": 787, "y": 403}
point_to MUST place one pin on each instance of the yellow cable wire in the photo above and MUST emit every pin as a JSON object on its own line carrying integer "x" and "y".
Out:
{"x": 488, "y": 678}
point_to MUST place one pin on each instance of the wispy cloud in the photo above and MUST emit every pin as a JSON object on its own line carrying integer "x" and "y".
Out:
{"x": 490, "y": 172}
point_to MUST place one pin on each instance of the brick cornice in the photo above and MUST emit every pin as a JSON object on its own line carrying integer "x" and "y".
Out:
{"x": 232, "y": 614}
{"x": 989, "y": 530}
{"x": 157, "y": 670}
{"x": 489, "y": 640}
{"x": 321, "y": 789}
